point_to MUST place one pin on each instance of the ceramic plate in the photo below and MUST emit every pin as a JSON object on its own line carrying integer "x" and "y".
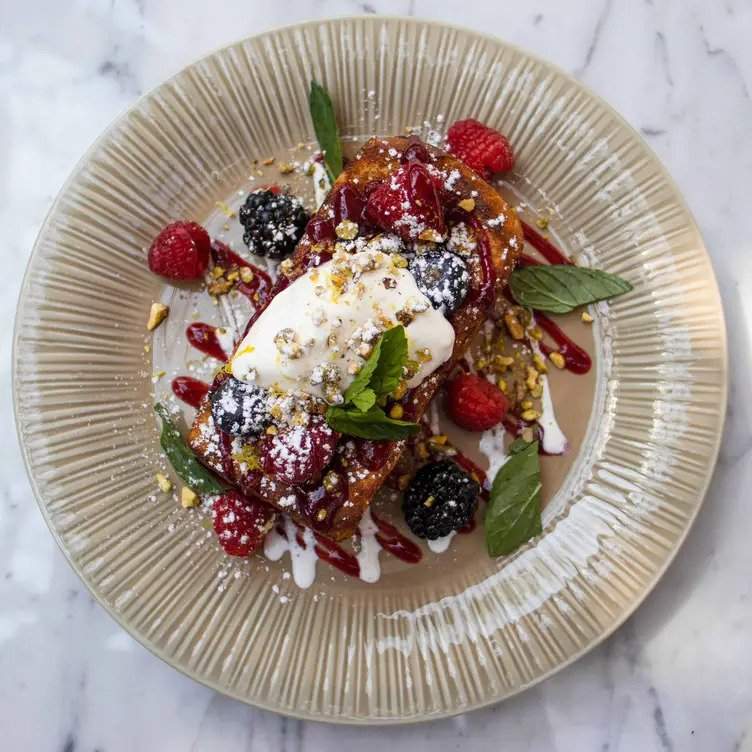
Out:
{"x": 457, "y": 632}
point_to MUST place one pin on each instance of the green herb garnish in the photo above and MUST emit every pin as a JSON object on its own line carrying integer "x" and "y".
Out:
{"x": 325, "y": 126}
{"x": 373, "y": 424}
{"x": 560, "y": 288}
{"x": 514, "y": 510}
{"x": 380, "y": 375}
{"x": 182, "y": 458}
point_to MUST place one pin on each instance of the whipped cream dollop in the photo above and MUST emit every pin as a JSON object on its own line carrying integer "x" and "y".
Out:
{"x": 316, "y": 334}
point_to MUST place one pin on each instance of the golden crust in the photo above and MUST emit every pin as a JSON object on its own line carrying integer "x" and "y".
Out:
{"x": 499, "y": 231}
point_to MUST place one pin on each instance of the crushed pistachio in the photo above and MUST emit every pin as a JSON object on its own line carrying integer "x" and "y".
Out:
{"x": 557, "y": 359}
{"x": 586, "y": 317}
{"x": 468, "y": 204}
{"x": 164, "y": 483}
{"x": 157, "y": 314}
{"x": 188, "y": 498}
{"x": 396, "y": 412}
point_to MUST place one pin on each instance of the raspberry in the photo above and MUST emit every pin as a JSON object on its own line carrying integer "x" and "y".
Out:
{"x": 180, "y": 251}
{"x": 474, "y": 403}
{"x": 299, "y": 454}
{"x": 481, "y": 148}
{"x": 407, "y": 204}
{"x": 240, "y": 523}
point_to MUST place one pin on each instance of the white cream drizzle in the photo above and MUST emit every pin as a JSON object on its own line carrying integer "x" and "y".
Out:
{"x": 370, "y": 548}
{"x": 303, "y": 558}
{"x": 440, "y": 545}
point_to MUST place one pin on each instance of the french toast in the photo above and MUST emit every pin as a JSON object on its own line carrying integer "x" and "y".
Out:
{"x": 476, "y": 224}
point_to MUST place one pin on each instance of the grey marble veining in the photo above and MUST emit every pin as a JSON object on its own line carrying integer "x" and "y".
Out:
{"x": 678, "y": 675}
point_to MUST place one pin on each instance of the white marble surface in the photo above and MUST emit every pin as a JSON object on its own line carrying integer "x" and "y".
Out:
{"x": 678, "y": 675}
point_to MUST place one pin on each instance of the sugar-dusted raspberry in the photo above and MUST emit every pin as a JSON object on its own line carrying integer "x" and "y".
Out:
{"x": 474, "y": 403}
{"x": 241, "y": 522}
{"x": 299, "y": 454}
{"x": 408, "y": 204}
{"x": 180, "y": 251}
{"x": 481, "y": 148}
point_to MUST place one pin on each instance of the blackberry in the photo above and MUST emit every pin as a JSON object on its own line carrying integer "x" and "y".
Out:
{"x": 273, "y": 222}
{"x": 440, "y": 498}
{"x": 442, "y": 277}
{"x": 240, "y": 409}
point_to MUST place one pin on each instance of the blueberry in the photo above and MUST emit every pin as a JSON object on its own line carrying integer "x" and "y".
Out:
{"x": 442, "y": 277}
{"x": 240, "y": 409}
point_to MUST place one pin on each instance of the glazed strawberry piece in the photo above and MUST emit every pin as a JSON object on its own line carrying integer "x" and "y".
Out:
{"x": 180, "y": 251}
{"x": 241, "y": 523}
{"x": 474, "y": 403}
{"x": 298, "y": 455}
{"x": 481, "y": 148}
{"x": 408, "y": 204}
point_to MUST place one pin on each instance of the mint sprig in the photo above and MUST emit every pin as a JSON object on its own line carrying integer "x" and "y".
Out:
{"x": 325, "y": 127}
{"x": 560, "y": 288}
{"x": 514, "y": 511}
{"x": 359, "y": 415}
{"x": 182, "y": 458}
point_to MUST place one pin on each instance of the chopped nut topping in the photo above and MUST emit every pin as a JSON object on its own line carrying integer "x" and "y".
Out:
{"x": 557, "y": 359}
{"x": 286, "y": 168}
{"x": 287, "y": 344}
{"x": 389, "y": 283}
{"x": 396, "y": 412}
{"x": 217, "y": 272}
{"x": 468, "y": 204}
{"x": 347, "y": 230}
{"x": 267, "y": 161}
{"x": 331, "y": 481}
{"x": 539, "y": 363}
{"x": 286, "y": 266}
{"x": 542, "y": 223}
{"x": 246, "y": 275}
{"x": 321, "y": 515}
{"x": 157, "y": 314}
{"x": 188, "y": 498}
{"x": 586, "y": 317}
{"x": 220, "y": 286}
{"x": 530, "y": 415}
{"x": 514, "y": 327}
{"x": 431, "y": 235}
{"x": 164, "y": 483}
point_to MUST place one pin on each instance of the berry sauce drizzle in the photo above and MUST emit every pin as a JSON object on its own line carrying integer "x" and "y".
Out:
{"x": 544, "y": 246}
{"x": 258, "y": 288}
{"x": 391, "y": 540}
{"x": 191, "y": 391}
{"x": 204, "y": 338}
{"x": 330, "y": 552}
{"x": 576, "y": 359}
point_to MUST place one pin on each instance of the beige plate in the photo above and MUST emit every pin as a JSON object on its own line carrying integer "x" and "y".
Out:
{"x": 437, "y": 639}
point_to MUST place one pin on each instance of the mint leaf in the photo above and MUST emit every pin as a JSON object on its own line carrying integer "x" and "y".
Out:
{"x": 383, "y": 369}
{"x": 364, "y": 400}
{"x": 514, "y": 510}
{"x": 325, "y": 127}
{"x": 374, "y": 424}
{"x": 560, "y": 288}
{"x": 517, "y": 446}
{"x": 362, "y": 380}
{"x": 392, "y": 358}
{"x": 182, "y": 458}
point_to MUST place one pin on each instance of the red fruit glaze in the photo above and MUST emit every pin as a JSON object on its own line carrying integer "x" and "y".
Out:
{"x": 299, "y": 454}
{"x": 240, "y": 523}
{"x": 474, "y": 403}
{"x": 180, "y": 251}
{"x": 481, "y": 148}
{"x": 347, "y": 204}
{"x": 406, "y": 204}
{"x": 204, "y": 338}
{"x": 191, "y": 391}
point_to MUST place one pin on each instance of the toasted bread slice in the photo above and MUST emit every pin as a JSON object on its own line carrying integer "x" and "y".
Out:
{"x": 495, "y": 239}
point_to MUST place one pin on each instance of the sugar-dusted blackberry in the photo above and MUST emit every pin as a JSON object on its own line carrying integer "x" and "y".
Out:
{"x": 240, "y": 409}
{"x": 442, "y": 277}
{"x": 273, "y": 222}
{"x": 440, "y": 498}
